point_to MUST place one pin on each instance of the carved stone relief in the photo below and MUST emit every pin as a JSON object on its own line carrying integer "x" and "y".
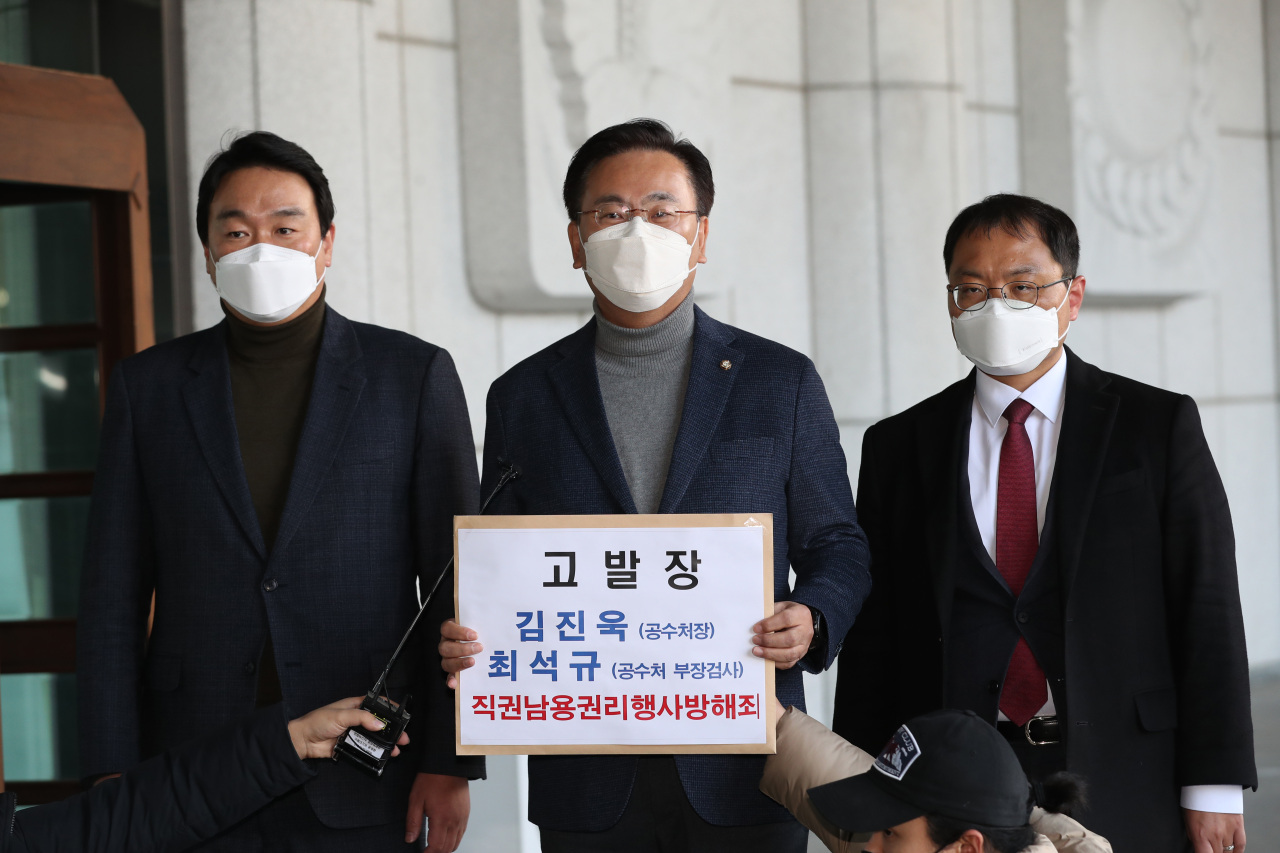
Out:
{"x": 1142, "y": 104}
{"x": 537, "y": 79}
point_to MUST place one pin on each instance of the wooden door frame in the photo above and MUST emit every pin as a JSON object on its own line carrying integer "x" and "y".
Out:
{"x": 68, "y": 133}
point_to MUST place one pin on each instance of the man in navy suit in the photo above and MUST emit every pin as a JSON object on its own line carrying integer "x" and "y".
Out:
{"x": 653, "y": 406}
{"x": 280, "y": 482}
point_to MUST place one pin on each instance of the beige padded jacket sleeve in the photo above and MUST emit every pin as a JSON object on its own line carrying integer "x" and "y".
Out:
{"x": 1067, "y": 835}
{"x": 809, "y": 754}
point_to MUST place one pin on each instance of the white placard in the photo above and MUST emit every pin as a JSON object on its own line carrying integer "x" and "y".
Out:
{"x": 615, "y": 633}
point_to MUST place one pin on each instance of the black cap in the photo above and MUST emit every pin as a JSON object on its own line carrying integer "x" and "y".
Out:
{"x": 948, "y": 763}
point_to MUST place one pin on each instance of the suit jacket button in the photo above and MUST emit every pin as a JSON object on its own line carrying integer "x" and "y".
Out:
{"x": 250, "y": 668}
{"x": 270, "y": 584}
{"x": 993, "y": 687}
{"x": 1023, "y": 618}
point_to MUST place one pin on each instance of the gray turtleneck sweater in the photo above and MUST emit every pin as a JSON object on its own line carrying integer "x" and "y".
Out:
{"x": 643, "y": 376}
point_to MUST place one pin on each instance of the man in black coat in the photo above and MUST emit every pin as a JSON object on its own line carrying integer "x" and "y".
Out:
{"x": 179, "y": 798}
{"x": 282, "y": 482}
{"x": 1052, "y": 549}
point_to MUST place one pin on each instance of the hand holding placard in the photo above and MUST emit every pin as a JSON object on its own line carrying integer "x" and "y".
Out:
{"x": 785, "y": 636}
{"x": 458, "y": 646}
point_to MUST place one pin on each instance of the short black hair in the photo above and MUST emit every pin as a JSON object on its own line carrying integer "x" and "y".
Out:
{"x": 1023, "y": 217}
{"x": 640, "y": 134}
{"x": 260, "y": 148}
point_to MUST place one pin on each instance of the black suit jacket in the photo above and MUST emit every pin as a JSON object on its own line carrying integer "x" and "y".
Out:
{"x": 385, "y": 459}
{"x": 758, "y": 437}
{"x": 1157, "y": 679}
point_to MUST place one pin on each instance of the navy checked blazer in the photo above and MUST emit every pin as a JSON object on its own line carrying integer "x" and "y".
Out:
{"x": 757, "y": 437}
{"x": 385, "y": 459}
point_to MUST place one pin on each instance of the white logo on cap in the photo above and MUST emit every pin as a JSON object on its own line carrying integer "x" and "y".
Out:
{"x": 898, "y": 754}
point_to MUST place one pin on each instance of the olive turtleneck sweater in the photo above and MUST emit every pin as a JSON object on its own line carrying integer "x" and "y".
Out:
{"x": 272, "y": 368}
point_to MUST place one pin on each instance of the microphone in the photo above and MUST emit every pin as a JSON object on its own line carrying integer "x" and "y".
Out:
{"x": 368, "y": 750}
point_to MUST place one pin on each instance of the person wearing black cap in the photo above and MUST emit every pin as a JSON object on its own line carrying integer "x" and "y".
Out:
{"x": 945, "y": 781}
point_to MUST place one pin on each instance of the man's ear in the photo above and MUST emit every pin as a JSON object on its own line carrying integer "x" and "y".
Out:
{"x": 326, "y": 252}
{"x": 1075, "y": 297}
{"x": 575, "y": 244}
{"x": 208, "y": 263}
{"x": 702, "y": 235}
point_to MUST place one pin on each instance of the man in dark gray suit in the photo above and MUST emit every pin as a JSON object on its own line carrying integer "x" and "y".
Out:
{"x": 281, "y": 482}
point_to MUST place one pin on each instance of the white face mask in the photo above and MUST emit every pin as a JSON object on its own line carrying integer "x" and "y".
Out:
{"x": 1001, "y": 341}
{"x": 265, "y": 282}
{"x": 636, "y": 265}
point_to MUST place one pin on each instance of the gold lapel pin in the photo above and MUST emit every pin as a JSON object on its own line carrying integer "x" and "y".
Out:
{"x": 726, "y": 364}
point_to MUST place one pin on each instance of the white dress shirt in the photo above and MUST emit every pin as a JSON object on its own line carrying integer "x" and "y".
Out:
{"x": 986, "y": 435}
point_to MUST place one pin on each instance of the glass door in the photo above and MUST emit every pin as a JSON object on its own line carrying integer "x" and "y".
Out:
{"x": 75, "y": 298}
{"x": 49, "y": 392}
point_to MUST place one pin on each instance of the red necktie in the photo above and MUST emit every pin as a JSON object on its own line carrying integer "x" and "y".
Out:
{"x": 1017, "y": 540}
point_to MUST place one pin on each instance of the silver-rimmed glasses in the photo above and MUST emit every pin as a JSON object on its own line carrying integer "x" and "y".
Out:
{"x": 1017, "y": 295}
{"x": 613, "y": 213}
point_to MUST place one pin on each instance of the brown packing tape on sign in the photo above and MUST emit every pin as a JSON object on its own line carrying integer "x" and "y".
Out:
{"x": 767, "y": 706}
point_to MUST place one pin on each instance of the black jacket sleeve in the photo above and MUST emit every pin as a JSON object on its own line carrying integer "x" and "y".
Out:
{"x": 115, "y": 594}
{"x": 867, "y": 706}
{"x": 445, "y": 485}
{"x": 172, "y": 801}
{"x": 1202, "y": 591}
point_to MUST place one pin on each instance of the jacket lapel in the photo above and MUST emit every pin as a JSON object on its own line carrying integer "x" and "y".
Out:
{"x": 335, "y": 392}
{"x": 578, "y": 388}
{"x": 943, "y": 446}
{"x": 207, "y": 396}
{"x": 704, "y": 403}
{"x": 1087, "y": 418}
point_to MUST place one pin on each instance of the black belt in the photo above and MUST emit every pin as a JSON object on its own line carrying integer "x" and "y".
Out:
{"x": 1039, "y": 731}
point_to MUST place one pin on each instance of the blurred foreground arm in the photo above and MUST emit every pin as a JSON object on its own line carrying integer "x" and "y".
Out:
{"x": 189, "y": 794}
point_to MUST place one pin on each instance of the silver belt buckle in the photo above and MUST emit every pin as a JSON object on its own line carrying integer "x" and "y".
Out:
{"x": 1026, "y": 731}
